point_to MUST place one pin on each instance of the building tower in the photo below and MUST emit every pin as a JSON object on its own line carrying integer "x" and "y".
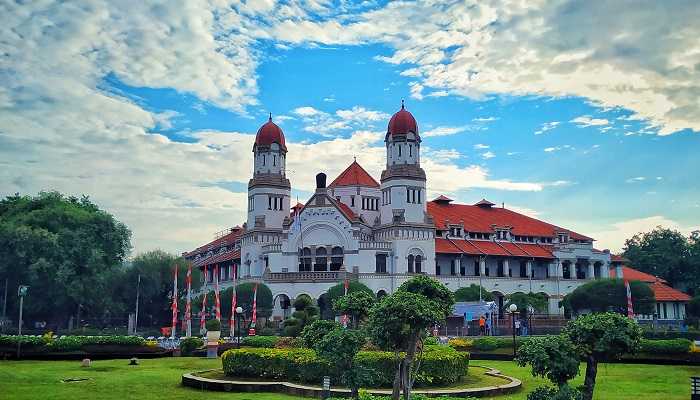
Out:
{"x": 269, "y": 189}
{"x": 403, "y": 180}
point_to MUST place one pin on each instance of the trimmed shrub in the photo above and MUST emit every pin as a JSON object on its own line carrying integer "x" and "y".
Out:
{"x": 260, "y": 341}
{"x": 487, "y": 343}
{"x": 315, "y": 331}
{"x": 460, "y": 344}
{"x": 564, "y": 392}
{"x": 691, "y": 335}
{"x": 190, "y": 344}
{"x": 285, "y": 342}
{"x": 430, "y": 341}
{"x": 71, "y": 343}
{"x": 12, "y": 340}
{"x": 441, "y": 365}
{"x": 669, "y": 346}
{"x": 213, "y": 325}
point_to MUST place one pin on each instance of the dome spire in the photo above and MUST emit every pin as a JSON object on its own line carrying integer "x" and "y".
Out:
{"x": 402, "y": 104}
{"x": 270, "y": 117}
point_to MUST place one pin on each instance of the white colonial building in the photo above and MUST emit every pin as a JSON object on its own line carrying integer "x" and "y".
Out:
{"x": 382, "y": 233}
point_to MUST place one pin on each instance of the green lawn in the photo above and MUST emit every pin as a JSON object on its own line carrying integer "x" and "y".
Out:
{"x": 160, "y": 378}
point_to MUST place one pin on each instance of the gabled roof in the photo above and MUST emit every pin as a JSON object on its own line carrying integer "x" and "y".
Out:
{"x": 662, "y": 291}
{"x": 484, "y": 203}
{"x": 354, "y": 175}
{"x": 443, "y": 199}
{"x": 227, "y": 240}
{"x": 482, "y": 219}
{"x": 490, "y": 248}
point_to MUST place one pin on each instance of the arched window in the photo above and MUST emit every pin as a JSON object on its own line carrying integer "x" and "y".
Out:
{"x": 305, "y": 259}
{"x": 410, "y": 263}
{"x": 336, "y": 258}
{"x": 321, "y": 263}
{"x": 418, "y": 261}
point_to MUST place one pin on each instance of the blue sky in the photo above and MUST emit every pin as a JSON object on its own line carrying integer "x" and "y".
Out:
{"x": 155, "y": 121}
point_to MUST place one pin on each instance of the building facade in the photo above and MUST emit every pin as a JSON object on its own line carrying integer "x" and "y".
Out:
{"x": 383, "y": 233}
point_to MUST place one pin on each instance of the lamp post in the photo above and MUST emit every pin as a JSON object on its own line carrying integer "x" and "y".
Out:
{"x": 21, "y": 292}
{"x": 239, "y": 311}
{"x": 512, "y": 309}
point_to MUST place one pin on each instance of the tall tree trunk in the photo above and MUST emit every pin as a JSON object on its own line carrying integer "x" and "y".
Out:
{"x": 589, "y": 382}
{"x": 408, "y": 363}
{"x": 396, "y": 391}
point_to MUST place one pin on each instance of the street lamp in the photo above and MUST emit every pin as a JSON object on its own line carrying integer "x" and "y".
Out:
{"x": 21, "y": 293}
{"x": 512, "y": 309}
{"x": 239, "y": 311}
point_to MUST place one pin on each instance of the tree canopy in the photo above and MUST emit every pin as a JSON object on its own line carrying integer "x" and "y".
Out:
{"x": 326, "y": 301}
{"x": 668, "y": 254}
{"x": 603, "y": 295}
{"x": 355, "y": 304}
{"x": 471, "y": 293}
{"x": 66, "y": 249}
{"x": 551, "y": 357}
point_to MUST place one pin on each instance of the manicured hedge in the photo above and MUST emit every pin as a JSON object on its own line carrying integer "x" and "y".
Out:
{"x": 670, "y": 346}
{"x": 71, "y": 343}
{"x": 260, "y": 341}
{"x": 441, "y": 365}
{"x": 692, "y": 335}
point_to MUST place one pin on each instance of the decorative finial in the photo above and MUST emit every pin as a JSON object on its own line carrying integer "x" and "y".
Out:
{"x": 270, "y": 117}
{"x": 402, "y": 104}
{"x": 354, "y": 157}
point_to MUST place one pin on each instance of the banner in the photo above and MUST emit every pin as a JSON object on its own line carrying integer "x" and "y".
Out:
{"x": 174, "y": 306}
{"x": 217, "y": 305}
{"x": 630, "y": 311}
{"x": 203, "y": 313}
{"x": 254, "y": 318}
{"x": 344, "y": 319}
{"x": 188, "y": 306}
{"x": 233, "y": 302}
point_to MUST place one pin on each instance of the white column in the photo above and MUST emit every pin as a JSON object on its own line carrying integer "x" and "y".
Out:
{"x": 605, "y": 270}
{"x": 482, "y": 266}
{"x": 528, "y": 268}
{"x": 506, "y": 268}
{"x": 458, "y": 265}
{"x": 560, "y": 269}
{"x": 591, "y": 270}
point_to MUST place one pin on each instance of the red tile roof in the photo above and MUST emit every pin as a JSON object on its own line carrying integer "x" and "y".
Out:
{"x": 354, "y": 175}
{"x": 230, "y": 255}
{"x": 442, "y": 198}
{"x": 482, "y": 219}
{"x": 489, "y": 248}
{"x": 662, "y": 291}
{"x": 347, "y": 211}
{"x": 226, "y": 240}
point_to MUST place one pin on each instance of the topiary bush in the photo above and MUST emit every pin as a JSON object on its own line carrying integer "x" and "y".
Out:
{"x": 213, "y": 325}
{"x": 486, "y": 343}
{"x": 441, "y": 365}
{"x": 261, "y": 341}
{"x": 430, "y": 341}
{"x": 190, "y": 344}
{"x": 564, "y": 392}
{"x": 315, "y": 331}
{"x": 669, "y": 346}
{"x": 461, "y": 344}
{"x": 285, "y": 342}
{"x": 71, "y": 343}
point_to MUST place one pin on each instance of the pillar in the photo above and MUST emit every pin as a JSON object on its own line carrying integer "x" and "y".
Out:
{"x": 506, "y": 268}
{"x": 458, "y": 266}
{"x": 605, "y": 270}
{"x": 482, "y": 266}
{"x": 591, "y": 270}
{"x": 618, "y": 271}
{"x": 528, "y": 268}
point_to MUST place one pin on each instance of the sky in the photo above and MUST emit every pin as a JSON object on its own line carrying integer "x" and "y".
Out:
{"x": 584, "y": 114}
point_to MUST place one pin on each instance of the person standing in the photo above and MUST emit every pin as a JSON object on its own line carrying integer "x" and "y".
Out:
{"x": 482, "y": 325}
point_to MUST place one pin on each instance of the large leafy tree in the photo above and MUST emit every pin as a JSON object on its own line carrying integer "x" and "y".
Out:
{"x": 326, "y": 300}
{"x": 603, "y": 295}
{"x": 339, "y": 347}
{"x": 66, "y": 249}
{"x": 305, "y": 313}
{"x": 356, "y": 305}
{"x": 471, "y": 293}
{"x": 598, "y": 336}
{"x": 665, "y": 253}
{"x": 551, "y": 357}
{"x": 399, "y": 322}
{"x": 526, "y": 301}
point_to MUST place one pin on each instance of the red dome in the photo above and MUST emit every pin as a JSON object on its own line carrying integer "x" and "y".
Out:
{"x": 402, "y": 122}
{"x": 270, "y": 133}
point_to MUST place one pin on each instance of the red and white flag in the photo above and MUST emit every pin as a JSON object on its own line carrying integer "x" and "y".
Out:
{"x": 174, "y": 306}
{"x": 217, "y": 306}
{"x": 203, "y": 313}
{"x": 233, "y": 303}
{"x": 345, "y": 316}
{"x": 188, "y": 306}
{"x": 630, "y": 310}
{"x": 254, "y": 318}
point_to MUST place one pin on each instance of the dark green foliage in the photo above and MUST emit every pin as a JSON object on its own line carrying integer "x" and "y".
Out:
{"x": 471, "y": 293}
{"x": 669, "y": 346}
{"x": 315, "y": 331}
{"x": 564, "y": 392}
{"x": 213, "y": 325}
{"x": 339, "y": 347}
{"x": 666, "y": 253}
{"x": 603, "y": 295}
{"x": 190, "y": 344}
{"x": 304, "y": 314}
{"x": 431, "y": 289}
{"x": 430, "y": 341}
{"x": 72, "y": 343}
{"x": 692, "y": 309}
{"x": 261, "y": 341}
{"x": 325, "y": 302}
{"x": 443, "y": 365}
{"x": 551, "y": 357}
{"x": 66, "y": 249}
{"x": 690, "y": 335}
{"x": 537, "y": 301}
{"x": 487, "y": 343}
{"x": 356, "y": 305}
{"x": 244, "y": 293}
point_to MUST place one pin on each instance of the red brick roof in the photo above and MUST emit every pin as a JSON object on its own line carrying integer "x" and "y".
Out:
{"x": 482, "y": 219}
{"x": 402, "y": 122}
{"x": 347, "y": 211}
{"x": 354, "y": 175}
{"x": 270, "y": 133}
{"x": 490, "y": 248}
{"x": 662, "y": 291}
{"x": 230, "y": 255}
{"x": 226, "y": 240}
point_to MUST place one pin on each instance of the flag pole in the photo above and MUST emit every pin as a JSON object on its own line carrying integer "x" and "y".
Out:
{"x": 188, "y": 307}
{"x": 174, "y": 324}
{"x": 233, "y": 304}
{"x": 216, "y": 293}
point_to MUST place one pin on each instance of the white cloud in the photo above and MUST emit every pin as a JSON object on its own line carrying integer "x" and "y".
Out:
{"x": 636, "y": 179}
{"x": 327, "y": 124}
{"x": 485, "y": 119}
{"x": 444, "y": 131}
{"x": 488, "y": 154}
{"x": 552, "y": 149}
{"x": 585, "y": 121}
{"x": 480, "y": 146}
{"x": 307, "y": 111}
{"x": 547, "y": 126}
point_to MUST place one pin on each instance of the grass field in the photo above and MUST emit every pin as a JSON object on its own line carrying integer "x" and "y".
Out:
{"x": 160, "y": 378}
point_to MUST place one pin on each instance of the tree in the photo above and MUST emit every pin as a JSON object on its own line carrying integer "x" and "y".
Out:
{"x": 603, "y": 295}
{"x": 525, "y": 301}
{"x": 471, "y": 293}
{"x": 315, "y": 331}
{"x": 665, "y": 253}
{"x": 305, "y": 313}
{"x": 692, "y": 309}
{"x": 356, "y": 305}
{"x": 339, "y": 347}
{"x": 326, "y": 300}
{"x": 399, "y": 322}
{"x": 601, "y": 335}
{"x": 551, "y": 357}
{"x": 64, "y": 248}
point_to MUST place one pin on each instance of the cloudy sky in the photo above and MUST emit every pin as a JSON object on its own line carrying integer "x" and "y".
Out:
{"x": 585, "y": 114}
